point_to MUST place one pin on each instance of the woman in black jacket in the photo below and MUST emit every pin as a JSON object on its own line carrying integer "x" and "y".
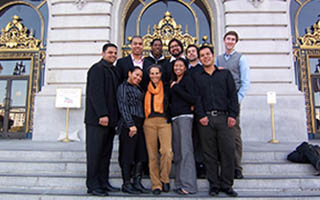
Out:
{"x": 182, "y": 102}
{"x": 132, "y": 148}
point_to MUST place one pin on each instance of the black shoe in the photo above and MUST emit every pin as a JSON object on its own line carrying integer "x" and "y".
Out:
{"x": 238, "y": 174}
{"x": 98, "y": 192}
{"x": 179, "y": 191}
{"x": 214, "y": 192}
{"x": 165, "y": 187}
{"x": 128, "y": 188}
{"x": 138, "y": 186}
{"x": 109, "y": 188}
{"x": 156, "y": 191}
{"x": 230, "y": 192}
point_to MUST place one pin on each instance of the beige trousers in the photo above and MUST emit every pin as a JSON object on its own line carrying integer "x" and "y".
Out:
{"x": 156, "y": 128}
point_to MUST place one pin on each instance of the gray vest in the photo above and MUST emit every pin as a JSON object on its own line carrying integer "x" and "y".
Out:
{"x": 232, "y": 65}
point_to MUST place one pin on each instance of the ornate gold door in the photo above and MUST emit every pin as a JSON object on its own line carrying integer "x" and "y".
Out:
{"x": 20, "y": 61}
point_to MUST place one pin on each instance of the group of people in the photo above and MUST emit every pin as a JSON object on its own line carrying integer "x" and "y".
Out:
{"x": 182, "y": 111}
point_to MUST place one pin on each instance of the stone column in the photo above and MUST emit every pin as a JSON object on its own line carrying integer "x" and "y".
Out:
{"x": 77, "y": 31}
{"x": 265, "y": 39}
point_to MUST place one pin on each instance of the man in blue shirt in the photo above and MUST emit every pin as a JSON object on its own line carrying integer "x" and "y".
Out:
{"x": 239, "y": 68}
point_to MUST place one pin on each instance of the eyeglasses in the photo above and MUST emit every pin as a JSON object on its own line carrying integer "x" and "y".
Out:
{"x": 173, "y": 46}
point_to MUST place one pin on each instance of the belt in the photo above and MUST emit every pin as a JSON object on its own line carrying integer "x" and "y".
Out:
{"x": 216, "y": 113}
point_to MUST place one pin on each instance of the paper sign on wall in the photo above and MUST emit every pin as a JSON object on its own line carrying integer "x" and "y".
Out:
{"x": 68, "y": 98}
{"x": 271, "y": 97}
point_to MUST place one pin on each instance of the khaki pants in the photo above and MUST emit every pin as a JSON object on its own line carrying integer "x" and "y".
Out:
{"x": 156, "y": 128}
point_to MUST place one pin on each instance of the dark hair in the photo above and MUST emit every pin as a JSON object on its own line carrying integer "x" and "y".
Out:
{"x": 204, "y": 47}
{"x": 192, "y": 45}
{"x": 136, "y": 36}
{"x": 154, "y": 40}
{"x": 134, "y": 69}
{"x": 154, "y": 66}
{"x": 174, "y": 62}
{"x": 175, "y": 40}
{"x": 231, "y": 33}
{"x": 106, "y": 46}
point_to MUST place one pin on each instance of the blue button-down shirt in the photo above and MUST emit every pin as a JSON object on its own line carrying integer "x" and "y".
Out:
{"x": 244, "y": 75}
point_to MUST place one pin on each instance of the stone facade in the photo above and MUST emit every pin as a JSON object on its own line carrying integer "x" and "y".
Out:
{"x": 78, "y": 31}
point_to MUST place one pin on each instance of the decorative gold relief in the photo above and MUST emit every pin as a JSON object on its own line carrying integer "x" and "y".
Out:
{"x": 166, "y": 29}
{"x": 312, "y": 37}
{"x": 15, "y": 36}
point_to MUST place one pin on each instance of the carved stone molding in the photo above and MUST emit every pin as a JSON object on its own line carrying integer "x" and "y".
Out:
{"x": 256, "y": 3}
{"x": 80, "y": 3}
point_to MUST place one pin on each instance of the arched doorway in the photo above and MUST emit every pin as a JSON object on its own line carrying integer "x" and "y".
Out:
{"x": 305, "y": 23}
{"x": 22, "y": 54}
{"x": 188, "y": 20}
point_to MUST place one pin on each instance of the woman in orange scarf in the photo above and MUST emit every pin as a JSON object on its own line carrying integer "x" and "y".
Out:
{"x": 157, "y": 128}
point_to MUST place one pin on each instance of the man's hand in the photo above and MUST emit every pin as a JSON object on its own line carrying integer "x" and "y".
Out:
{"x": 220, "y": 67}
{"x": 132, "y": 131}
{"x": 104, "y": 121}
{"x": 231, "y": 122}
{"x": 204, "y": 121}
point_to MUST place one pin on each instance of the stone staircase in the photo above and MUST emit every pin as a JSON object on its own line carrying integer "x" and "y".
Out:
{"x": 56, "y": 171}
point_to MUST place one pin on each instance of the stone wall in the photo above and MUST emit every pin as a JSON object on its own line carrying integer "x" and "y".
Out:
{"x": 78, "y": 31}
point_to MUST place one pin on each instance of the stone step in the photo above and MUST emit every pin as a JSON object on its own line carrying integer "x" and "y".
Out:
{"x": 252, "y": 183}
{"x": 79, "y": 168}
{"x": 53, "y": 155}
{"x": 54, "y": 194}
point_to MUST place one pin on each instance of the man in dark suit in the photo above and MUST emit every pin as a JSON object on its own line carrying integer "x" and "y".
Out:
{"x": 101, "y": 117}
{"x": 134, "y": 59}
{"x": 156, "y": 56}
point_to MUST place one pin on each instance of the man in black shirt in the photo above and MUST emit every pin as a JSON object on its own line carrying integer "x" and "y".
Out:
{"x": 217, "y": 109}
{"x": 193, "y": 59}
{"x": 194, "y": 66}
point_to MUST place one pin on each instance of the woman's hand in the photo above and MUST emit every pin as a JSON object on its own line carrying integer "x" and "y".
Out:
{"x": 172, "y": 84}
{"x": 132, "y": 131}
{"x": 204, "y": 121}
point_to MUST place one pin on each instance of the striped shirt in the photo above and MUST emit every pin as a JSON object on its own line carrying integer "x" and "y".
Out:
{"x": 130, "y": 102}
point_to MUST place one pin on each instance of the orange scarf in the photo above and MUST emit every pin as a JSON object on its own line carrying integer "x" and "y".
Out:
{"x": 158, "y": 96}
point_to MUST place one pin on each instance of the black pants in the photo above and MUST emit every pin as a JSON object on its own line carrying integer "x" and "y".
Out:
{"x": 133, "y": 149}
{"x": 198, "y": 154}
{"x": 99, "y": 144}
{"x": 217, "y": 142}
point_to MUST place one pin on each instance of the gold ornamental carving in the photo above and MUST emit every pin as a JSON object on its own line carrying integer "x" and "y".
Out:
{"x": 15, "y": 36}
{"x": 166, "y": 29}
{"x": 311, "y": 39}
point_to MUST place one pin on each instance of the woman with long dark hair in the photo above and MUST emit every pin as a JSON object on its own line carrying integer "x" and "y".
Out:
{"x": 132, "y": 148}
{"x": 183, "y": 101}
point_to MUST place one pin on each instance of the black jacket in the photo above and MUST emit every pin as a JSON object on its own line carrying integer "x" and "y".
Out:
{"x": 182, "y": 96}
{"x": 124, "y": 64}
{"x": 102, "y": 83}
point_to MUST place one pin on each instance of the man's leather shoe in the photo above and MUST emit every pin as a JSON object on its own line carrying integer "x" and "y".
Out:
{"x": 238, "y": 174}
{"x": 214, "y": 191}
{"x": 230, "y": 192}
{"x": 109, "y": 188}
{"x": 128, "y": 188}
{"x": 156, "y": 191}
{"x": 98, "y": 192}
{"x": 165, "y": 187}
